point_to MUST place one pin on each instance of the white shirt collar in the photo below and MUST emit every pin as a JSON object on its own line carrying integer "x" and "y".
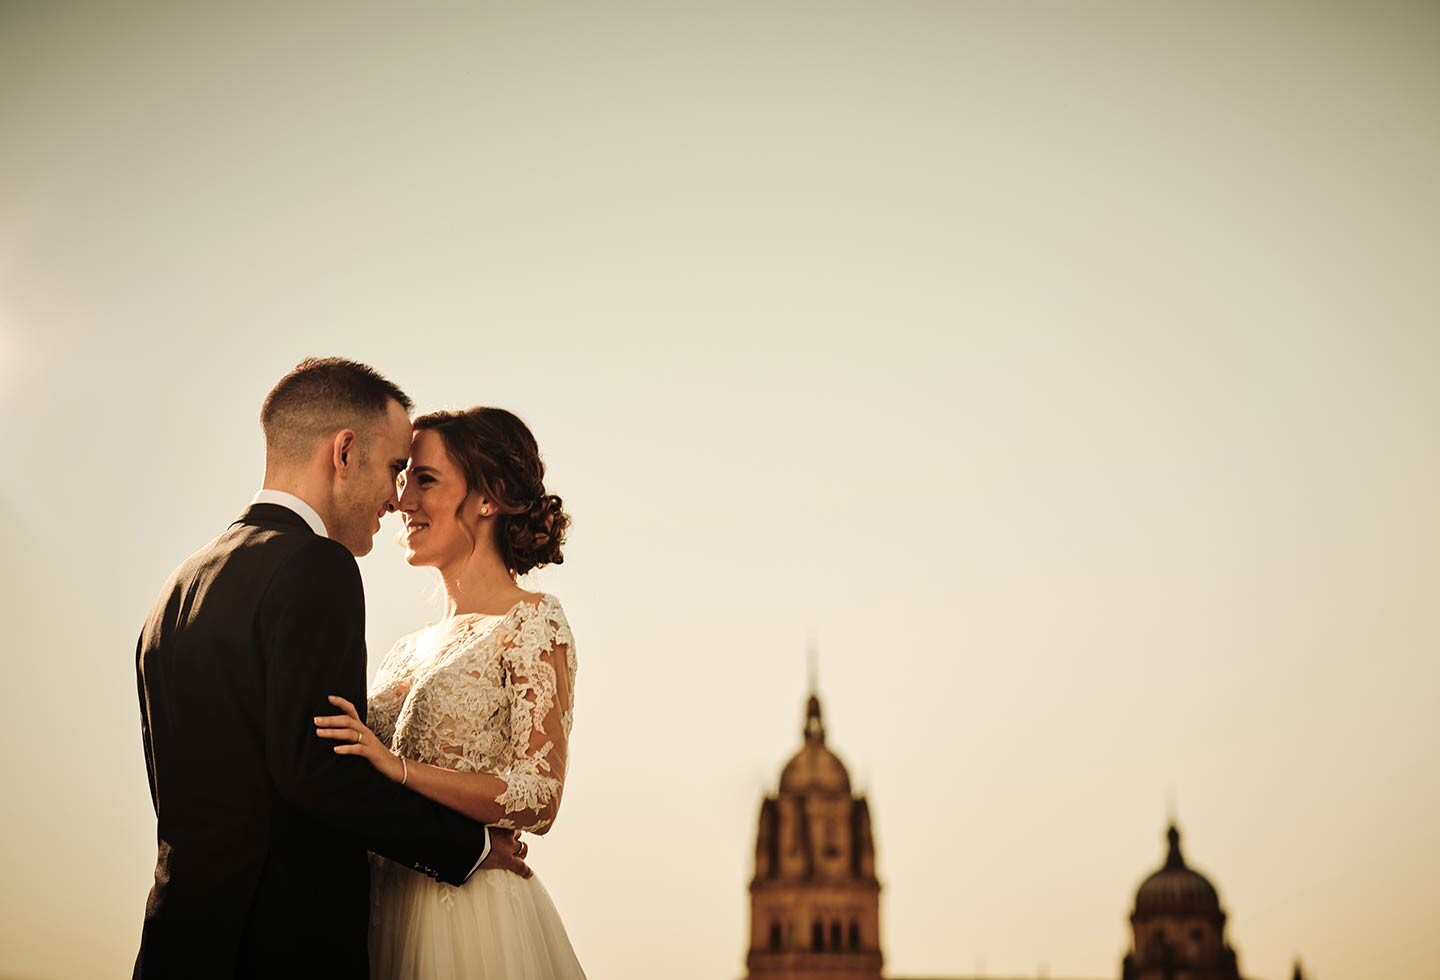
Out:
{"x": 291, "y": 502}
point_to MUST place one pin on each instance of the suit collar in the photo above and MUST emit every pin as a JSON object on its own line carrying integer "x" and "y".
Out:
{"x": 273, "y": 515}
{"x": 297, "y": 504}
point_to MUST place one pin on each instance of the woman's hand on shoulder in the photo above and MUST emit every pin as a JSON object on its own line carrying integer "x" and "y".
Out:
{"x": 356, "y": 739}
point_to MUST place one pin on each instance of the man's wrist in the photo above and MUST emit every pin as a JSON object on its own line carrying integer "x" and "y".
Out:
{"x": 484, "y": 853}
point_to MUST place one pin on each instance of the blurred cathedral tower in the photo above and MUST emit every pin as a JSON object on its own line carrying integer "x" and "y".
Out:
{"x": 815, "y": 900}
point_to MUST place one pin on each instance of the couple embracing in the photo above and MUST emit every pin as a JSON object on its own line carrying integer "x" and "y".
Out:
{"x": 273, "y": 772}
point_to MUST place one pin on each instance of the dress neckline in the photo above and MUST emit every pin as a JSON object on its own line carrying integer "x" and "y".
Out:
{"x": 521, "y": 602}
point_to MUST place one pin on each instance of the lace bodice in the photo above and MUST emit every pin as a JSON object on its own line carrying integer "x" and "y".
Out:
{"x": 486, "y": 694}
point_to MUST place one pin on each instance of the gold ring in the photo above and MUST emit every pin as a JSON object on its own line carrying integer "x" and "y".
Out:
{"x": 358, "y": 736}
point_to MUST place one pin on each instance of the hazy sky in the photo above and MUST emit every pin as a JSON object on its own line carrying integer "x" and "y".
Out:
{"x": 1068, "y": 370}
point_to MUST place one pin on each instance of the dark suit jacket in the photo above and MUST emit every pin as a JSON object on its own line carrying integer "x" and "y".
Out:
{"x": 262, "y": 828}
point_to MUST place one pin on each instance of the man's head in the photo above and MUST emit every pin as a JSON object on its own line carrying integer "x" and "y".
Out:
{"x": 337, "y": 434}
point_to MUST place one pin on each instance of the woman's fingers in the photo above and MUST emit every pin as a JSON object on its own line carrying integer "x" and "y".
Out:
{"x": 337, "y": 734}
{"x": 348, "y": 730}
{"x": 345, "y": 706}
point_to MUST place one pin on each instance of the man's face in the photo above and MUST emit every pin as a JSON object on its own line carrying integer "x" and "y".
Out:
{"x": 368, "y": 491}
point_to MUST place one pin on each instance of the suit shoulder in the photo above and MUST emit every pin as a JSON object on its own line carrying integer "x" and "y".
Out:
{"x": 273, "y": 561}
{"x": 317, "y": 550}
{"x": 200, "y": 564}
{"x": 311, "y": 561}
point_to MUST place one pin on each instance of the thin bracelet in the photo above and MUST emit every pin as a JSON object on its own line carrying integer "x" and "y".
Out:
{"x": 405, "y": 767}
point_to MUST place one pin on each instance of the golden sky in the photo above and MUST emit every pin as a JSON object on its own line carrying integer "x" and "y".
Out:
{"x": 1068, "y": 371}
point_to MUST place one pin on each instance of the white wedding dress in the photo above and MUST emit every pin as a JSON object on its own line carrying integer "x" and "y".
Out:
{"x": 478, "y": 693}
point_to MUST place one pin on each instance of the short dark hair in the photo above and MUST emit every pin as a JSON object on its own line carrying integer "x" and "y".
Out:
{"x": 323, "y": 395}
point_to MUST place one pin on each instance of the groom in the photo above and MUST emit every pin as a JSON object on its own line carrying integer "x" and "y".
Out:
{"x": 262, "y": 828}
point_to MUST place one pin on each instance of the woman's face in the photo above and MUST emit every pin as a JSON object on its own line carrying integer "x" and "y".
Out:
{"x": 434, "y": 489}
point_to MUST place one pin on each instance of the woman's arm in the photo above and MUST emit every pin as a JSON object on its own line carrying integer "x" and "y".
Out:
{"x": 524, "y": 797}
{"x": 470, "y": 793}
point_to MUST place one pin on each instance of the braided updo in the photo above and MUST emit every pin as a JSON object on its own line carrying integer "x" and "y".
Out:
{"x": 500, "y": 459}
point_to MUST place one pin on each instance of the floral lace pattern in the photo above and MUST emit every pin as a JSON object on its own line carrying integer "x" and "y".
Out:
{"x": 486, "y": 694}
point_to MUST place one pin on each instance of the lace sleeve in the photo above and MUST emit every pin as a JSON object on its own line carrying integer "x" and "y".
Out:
{"x": 388, "y": 690}
{"x": 537, "y": 653}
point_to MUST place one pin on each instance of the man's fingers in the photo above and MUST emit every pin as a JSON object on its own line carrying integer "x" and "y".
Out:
{"x": 522, "y": 869}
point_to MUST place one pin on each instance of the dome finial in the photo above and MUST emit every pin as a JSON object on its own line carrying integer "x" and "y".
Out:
{"x": 1174, "y": 859}
{"x": 814, "y": 723}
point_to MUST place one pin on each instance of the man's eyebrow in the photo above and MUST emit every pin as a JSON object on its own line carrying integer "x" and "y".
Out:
{"x": 400, "y": 463}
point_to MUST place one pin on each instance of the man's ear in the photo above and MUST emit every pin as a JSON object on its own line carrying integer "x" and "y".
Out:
{"x": 343, "y": 450}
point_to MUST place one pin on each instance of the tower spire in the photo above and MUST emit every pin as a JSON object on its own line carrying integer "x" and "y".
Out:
{"x": 1175, "y": 859}
{"x": 814, "y": 723}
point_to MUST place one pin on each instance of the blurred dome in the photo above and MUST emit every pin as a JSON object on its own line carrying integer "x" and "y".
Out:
{"x": 814, "y": 768}
{"x": 1177, "y": 889}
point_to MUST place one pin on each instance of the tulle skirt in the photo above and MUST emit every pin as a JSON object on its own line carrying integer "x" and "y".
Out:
{"x": 497, "y": 926}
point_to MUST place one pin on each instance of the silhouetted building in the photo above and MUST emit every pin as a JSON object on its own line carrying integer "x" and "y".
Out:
{"x": 1178, "y": 926}
{"x": 815, "y": 900}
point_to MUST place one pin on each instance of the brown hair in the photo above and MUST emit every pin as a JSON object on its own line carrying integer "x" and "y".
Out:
{"x": 322, "y": 395}
{"x": 500, "y": 459}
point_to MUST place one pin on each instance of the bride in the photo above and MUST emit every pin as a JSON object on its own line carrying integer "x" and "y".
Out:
{"x": 473, "y": 712}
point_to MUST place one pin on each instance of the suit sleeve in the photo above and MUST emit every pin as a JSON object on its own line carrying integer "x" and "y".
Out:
{"x": 312, "y": 623}
{"x": 145, "y": 726}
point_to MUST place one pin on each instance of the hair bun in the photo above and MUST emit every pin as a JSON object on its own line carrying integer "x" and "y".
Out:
{"x": 536, "y": 536}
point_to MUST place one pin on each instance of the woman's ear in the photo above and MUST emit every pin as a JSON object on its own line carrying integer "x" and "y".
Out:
{"x": 485, "y": 507}
{"x": 474, "y": 507}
